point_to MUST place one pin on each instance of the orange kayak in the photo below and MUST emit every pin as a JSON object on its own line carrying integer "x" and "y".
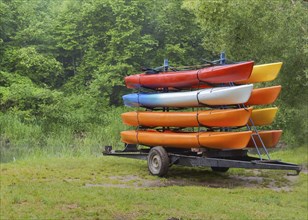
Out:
{"x": 210, "y": 118}
{"x": 215, "y": 140}
{"x": 269, "y": 138}
{"x": 264, "y": 96}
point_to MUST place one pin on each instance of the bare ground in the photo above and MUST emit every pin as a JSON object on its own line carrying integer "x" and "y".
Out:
{"x": 275, "y": 180}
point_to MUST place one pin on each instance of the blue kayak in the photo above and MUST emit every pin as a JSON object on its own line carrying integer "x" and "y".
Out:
{"x": 213, "y": 96}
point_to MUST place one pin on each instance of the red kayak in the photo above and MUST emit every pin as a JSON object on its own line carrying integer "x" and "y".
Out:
{"x": 190, "y": 78}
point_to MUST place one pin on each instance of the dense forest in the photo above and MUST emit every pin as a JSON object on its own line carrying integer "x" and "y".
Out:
{"x": 62, "y": 62}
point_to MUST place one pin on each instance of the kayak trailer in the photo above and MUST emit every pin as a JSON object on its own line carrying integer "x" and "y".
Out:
{"x": 160, "y": 159}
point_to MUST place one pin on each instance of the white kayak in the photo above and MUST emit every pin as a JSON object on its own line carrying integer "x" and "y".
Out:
{"x": 213, "y": 96}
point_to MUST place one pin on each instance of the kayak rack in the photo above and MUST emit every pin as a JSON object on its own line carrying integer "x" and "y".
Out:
{"x": 222, "y": 61}
{"x": 159, "y": 159}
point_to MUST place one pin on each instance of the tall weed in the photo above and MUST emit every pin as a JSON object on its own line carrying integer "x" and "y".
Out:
{"x": 19, "y": 139}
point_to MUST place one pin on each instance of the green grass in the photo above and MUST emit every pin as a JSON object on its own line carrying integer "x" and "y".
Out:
{"x": 92, "y": 187}
{"x": 295, "y": 155}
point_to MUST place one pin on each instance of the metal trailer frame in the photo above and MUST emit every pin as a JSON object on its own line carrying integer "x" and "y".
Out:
{"x": 218, "y": 160}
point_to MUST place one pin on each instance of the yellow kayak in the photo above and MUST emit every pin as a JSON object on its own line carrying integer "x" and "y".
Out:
{"x": 263, "y": 73}
{"x": 263, "y": 116}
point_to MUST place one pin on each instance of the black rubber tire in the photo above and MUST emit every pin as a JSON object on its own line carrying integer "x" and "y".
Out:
{"x": 220, "y": 169}
{"x": 158, "y": 161}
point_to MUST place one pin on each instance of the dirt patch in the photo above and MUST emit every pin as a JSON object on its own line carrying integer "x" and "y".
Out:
{"x": 305, "y": 171}
{"x": 107, "y": 185}
{"x": 126, "y": 178}
{"x": 122, "y": 216}
{"x": 67, "y": 207}
{"x": 248, "y": 179}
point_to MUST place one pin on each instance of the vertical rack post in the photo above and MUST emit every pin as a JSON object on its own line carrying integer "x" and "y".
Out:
{"x": 256, "y": 134}
{"x": 165, "y": 69}
{"x": 138, "y": 127}
{"x": 222, "y": 59}
{"x": 166, "y": 65}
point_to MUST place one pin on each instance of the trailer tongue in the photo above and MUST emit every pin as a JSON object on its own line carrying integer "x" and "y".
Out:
{"x": 160, "y": 159}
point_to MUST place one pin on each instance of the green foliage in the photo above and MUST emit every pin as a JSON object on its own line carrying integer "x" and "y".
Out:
{"x": 20, "y": 95}
{"x": 177, "y": 36}
{"x": 70, "y": 130}
{"x": 17, "y": 138}
{"x": 261, "y": 31}
{"x": 265, "y": 32}
{"x": 62, "y": 63}
{"x": 41, "y": 69}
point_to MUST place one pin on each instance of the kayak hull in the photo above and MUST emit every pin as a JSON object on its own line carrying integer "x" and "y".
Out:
{"x": 188, "y": 78}
{"x": 264, "y": 96}
{"x": 210, "y": 118}
{"x": 263, "y": 73}
{"x": 213, "y": 96}
{"x": 269, "y": 138}
{"x": 214, "y": 140}
{"x": 264, "y": 116}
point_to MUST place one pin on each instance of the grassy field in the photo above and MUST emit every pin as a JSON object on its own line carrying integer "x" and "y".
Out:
{"x": 116, "y": 188}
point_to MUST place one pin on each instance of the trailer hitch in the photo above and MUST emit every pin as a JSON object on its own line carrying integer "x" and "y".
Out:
{"x": 296, "y": 172}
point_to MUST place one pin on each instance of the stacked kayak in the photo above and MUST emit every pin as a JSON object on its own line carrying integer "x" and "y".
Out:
{"x": 263, "y": 73}
{"x": 269, "y": 138}
{"x": 264, "y": 96}
{"x": 215, "y": 140}
{"x": 209, "y": 118}
{"x": 215, "y": 99}
{"x": 214, "y": 96}
{"x": 190, "y": 78}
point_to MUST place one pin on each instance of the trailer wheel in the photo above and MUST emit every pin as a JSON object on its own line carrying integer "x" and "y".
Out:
{"x": 158, "y": 161}
{"x": 220, "y": 169}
